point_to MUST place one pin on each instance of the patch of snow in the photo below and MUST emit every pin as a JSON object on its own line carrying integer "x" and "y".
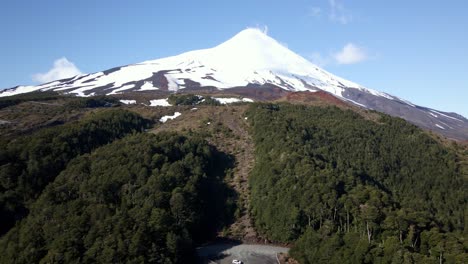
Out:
{"x": 451, "y": 117}
{"x": 193, "y": 109}
{"x": 123, "y": 88}
{"x": 173, "y": 84}
{"x": 439, "y": 126}
{"x": 165, "y": 118}
{"x": 406, "y": 102}
{"x": 434, "y": 115}
{"x": 128, "y": 102}
{"x": 80, "y": 92}
{"x": 18, "y": 90}
{"x": 233, "y": 100}
{"x": 446, "y": 125}
{"x": 227, "y": 100}
{"x": 356, "y": 103}
{"x": 148, "y": 86}
{"x": 159, "y": 102}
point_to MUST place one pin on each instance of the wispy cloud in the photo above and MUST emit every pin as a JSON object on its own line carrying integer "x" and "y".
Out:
{"x": 315, "y": 11}
{"x": 62, "y": 68}
{"x": 338, "y": 12}
{"x": 350, "y": 54}
{"x": 335, "y": 10}
{"x": 261, "y": 27}
{"x": 320, "y": 60}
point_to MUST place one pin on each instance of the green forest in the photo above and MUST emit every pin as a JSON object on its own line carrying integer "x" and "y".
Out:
{"x": 143, "y": 199}
{"x": 337, "y": 185}
{"x": 344, "y": 189}
{"x": 28, "y": 163}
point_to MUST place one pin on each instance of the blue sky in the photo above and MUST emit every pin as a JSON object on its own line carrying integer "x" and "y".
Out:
{"x": 416, "y": 50}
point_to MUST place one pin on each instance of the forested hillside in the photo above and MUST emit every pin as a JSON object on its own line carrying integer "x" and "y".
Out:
{"x": 84, "y": 181}
{"x": 344, "y": 189}
{"x": 142, "y": 199}
{"x": 29, "y": 163}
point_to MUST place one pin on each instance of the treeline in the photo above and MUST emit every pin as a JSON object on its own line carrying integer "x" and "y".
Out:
{"x": 33, "y": 96}
{"x": 71, "y": 102}
{"x": 143, "y": 199}
{"x": 92, "y": 102}
{"x": 29, "y": 163}
{"x": 191, "y": 99}
{"x": 348, "y": 190}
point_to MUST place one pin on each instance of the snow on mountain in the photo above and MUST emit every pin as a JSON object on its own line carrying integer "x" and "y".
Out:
{"x": 249, "y": 59}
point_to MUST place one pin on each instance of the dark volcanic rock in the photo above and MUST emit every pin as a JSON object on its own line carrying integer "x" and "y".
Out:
{"x": 452, "y": 126}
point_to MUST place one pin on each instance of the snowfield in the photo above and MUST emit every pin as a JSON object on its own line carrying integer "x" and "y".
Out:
{"x": 253, "y": 57}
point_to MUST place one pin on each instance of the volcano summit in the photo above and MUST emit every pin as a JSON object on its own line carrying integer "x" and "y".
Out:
{"x": 249, "y": 60}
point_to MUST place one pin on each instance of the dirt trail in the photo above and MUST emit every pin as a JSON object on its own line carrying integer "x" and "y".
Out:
{"x": 241, "y": 146}
{"x": 228, "y": 130}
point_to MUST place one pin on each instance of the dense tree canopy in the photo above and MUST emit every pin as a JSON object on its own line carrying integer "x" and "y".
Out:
{"x": 354, "y": 190}
{"x": 29, "y": 163}
{"x": 146, "y": 198}
{"x": 92, "y": 102}
{"x": 341, "y": 188}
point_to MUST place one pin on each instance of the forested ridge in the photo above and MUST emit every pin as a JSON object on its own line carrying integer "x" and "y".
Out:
{"x": 28, "y": 163}
{"x": 34, "y": 96}
{"x": 144, "y": 199}
{"x": 344, "y": 189}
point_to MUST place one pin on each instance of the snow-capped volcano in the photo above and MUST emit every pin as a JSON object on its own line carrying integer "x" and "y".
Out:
{"x": 249, "y": 59}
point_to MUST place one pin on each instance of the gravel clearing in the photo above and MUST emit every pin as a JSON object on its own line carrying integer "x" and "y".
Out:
{"x": 247, "y": 253}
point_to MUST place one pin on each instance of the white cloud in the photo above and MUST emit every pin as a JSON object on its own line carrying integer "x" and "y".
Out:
{"x": 335, "y": 10}
{"x": 338, "y": 13}
{"x": 262, "y": 28}
{"x": 62, "y": 69}
{"x": 350, "y": 54}
{"x": 319, "y": 60}
{"x": 315, "y": 12}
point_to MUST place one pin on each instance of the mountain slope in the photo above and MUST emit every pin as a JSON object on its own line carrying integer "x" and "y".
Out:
{"x": 355, "y": 190}
{"x": 249, "y": 59}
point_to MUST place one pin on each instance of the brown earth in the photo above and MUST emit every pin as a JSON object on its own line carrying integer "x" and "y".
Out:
{"x": 285, "y": 259}
{"x": 226, "y": 128}
{"x": 30, "y": 116}
{"x": 319, "y": 97}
